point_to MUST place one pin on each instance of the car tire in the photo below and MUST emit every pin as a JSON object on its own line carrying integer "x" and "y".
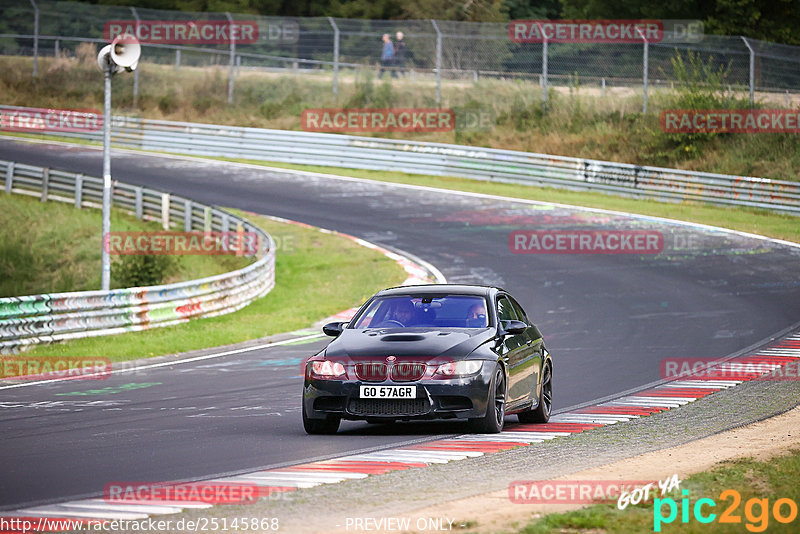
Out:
{"x": 541, "y": 414}
{"x": 320, "y": 426}
{"x": 492, "y": 422}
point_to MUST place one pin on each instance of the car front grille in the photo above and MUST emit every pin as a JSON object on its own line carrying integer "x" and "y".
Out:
{"x": 372, "y": 371}
{"x": 408, "y": 371}
{"x": 400, "y": 372}
{"x": 389, "y": 406}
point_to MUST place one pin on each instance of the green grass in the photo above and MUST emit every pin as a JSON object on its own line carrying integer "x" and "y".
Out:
{"x": 772, "y": 480}
{"x": 317, "y": 275}
{"x": 53, "y": 247}
{"x": 579, "y": 122}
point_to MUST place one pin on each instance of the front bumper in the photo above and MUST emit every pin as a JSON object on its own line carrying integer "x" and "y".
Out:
{"x": 455, "y": 398}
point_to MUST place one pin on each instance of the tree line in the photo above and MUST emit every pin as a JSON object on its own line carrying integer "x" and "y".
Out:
{"x": 769, "y": 20}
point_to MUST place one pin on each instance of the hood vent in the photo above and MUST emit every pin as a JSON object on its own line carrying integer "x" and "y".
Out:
{"x": 403, "y": 337}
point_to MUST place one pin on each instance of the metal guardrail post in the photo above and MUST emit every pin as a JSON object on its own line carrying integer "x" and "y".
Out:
{"x": 138, "y": 203}
{"x": 56, "y": 48}
{"x": 35, "y": 38}
{"x": 165, "y": 211}
{"x": 79, "y": 191}
{"x": 207, "y": 219}
{"x": 177, "y": 58}
{"x": 45, "y": 183}
{"x": 9, "y": 177}
{"x": 438, "y": 63}
{"x": 187, "y": 215}
{"x": 232, "y": 60}
{"x": 752, "y": 71}
{"x": 136, "y": 72}
{"x": 335, "y": 56}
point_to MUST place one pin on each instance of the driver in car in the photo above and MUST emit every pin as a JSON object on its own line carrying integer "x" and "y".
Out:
{"x": 403, "y": 312}
{"x": 476, "y": 316}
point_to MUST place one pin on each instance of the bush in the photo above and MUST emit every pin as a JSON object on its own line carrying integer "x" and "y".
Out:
{"x": 138, "y": 271}
{"x": 168, "y": 103}
{"x": 701, "y": 85}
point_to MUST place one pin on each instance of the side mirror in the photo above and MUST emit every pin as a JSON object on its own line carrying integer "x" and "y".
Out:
{"x": 333, "y": 329}
{"x": 513, "y": 327}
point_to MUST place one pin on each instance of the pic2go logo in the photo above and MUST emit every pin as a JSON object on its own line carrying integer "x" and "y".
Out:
{"x": 756, "y": 511}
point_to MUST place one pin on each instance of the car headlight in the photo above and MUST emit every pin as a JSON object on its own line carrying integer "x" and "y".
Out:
{"x": 462, "y": 368}
{"x": 327, "y": 369}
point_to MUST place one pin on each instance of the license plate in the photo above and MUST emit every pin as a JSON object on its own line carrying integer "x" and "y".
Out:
{"x": 388, "y": 392}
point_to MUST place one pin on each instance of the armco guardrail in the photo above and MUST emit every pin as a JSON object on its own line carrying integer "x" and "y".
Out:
{"x": 449, "y": 160}
{"x": 59, "y": 316}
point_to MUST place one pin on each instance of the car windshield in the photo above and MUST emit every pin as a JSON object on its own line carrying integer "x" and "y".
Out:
{"x": 408, "y": 311}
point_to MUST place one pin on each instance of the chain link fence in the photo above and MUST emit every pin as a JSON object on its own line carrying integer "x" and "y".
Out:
{"x": 435, "y": 50}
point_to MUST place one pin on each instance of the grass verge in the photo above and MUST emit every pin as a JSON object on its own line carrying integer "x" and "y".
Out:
{"x": 765, "y": 482}
{"x": 59, "y": 249}
{"x": 314, "y": 279}
{"x": 580, "y": 121}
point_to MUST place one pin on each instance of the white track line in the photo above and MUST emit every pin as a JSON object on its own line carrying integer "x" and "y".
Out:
{"x": 158, "y": 502}
{"x": 174, "y": 362}
{"x": 152, "y": 509}
{"x": 60, "y": 510}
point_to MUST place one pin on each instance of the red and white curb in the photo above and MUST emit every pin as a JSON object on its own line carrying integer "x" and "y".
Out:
{"x": 287, "y": 479}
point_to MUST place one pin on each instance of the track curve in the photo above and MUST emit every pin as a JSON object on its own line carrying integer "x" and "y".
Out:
{"x": 608, "y": 319}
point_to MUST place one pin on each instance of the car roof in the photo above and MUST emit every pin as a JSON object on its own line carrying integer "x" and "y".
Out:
{"x": 437, "y": 289}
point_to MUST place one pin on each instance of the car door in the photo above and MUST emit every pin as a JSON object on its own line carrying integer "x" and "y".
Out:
{"x": 535, "y": 351}
{"x": 514, "y": 351}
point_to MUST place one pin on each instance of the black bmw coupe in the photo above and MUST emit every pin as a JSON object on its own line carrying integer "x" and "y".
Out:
{"x": 431, "y": 352}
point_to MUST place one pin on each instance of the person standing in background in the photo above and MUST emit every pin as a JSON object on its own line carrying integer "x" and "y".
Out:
{"x": 400, "y": 52}
{"x": 387, "y": 56}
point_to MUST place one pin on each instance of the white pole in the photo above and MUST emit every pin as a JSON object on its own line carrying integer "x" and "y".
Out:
{"x": 136, "y": 72}
{"x": 106, "y": 275}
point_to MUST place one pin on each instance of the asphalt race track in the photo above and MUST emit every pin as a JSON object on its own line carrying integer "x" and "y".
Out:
{"x": 609, "y": 319}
